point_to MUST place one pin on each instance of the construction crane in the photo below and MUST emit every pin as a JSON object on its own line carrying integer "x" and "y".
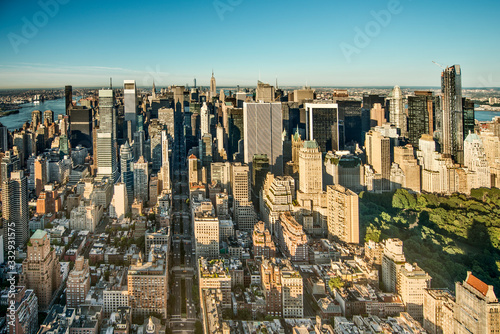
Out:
{"x": 444, "y": 68}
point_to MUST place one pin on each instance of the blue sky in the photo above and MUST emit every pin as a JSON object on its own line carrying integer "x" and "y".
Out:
{"x": 83, "y": 43}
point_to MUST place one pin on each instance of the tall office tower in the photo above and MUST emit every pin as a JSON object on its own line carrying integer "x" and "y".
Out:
{"x": 293, "y": 292}
{"x": 291, "y": 117}
{"x": 68, "y": 96}
{"x": 377, "y": 115}
{"x": 10, "y": 163}
{"x": 277, "y": 195}
{"x": 378, "y": 155}
{"x": 147, "y": 284}
{"x": 127, "y": 170}
{"x": 25, "y": 311}
{"x": 273, "y": 289}
{"x": 421, "y": 115}
{"x": 41, "y": 269}
{"x": 452, "y": 126}
{"x": 119, "y": 204}
{"x": 165, "y": 162}
{"x": 411, "y": 284}
{"x": 324, "y": 126}
{"x": 41, "y": 174}
{"x": 263, "y": 127}
{"x": 244, "y": 213}
{"x": 156, "y": 150}
{"x": 439, "y": 305}
{"x": 469, "y": 116}
{"x": 397, "y": 115}
{"x": 292, "y": 239}
{"x": 81, "y": 127}
{"x": 205, "y": 119}
{"x": 235, "y": 132}
{"x": 475, "y": 159}
{"x": 213, "y": 86}
{"x": 477, "y": 308}
{"x": 15, "y": 207}
{"x": 78, "y": 283}
{"x": 106, "y": 136}
{"x": 141, "y": 180}
{"x": 48, "y": 116}
{"x": 20, "y": 143}
{"x": 206, "y": 151}
{"x": 405, "y": 158}
{"x": 343, "y": 214}
{"x": 206, "y": 234}
{"x": 392, "y": 261}
{"x": 260, "y": 168}
{"x": 220, "y": 172}
{"x": 310, "y": 168}
{"x": 36, "y": 119}
{"x": 4, "y": 143}
{"x": 300, "y": 95}
{"x": 264, "y": 92}
{"x": 263, "y": 245}
{"x": 369, "y": 101}
{"x": 130, "y": 105}
{"x": 352, "y": 120}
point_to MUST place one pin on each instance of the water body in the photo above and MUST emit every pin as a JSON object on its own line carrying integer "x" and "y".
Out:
{"x": 16, "y": 121}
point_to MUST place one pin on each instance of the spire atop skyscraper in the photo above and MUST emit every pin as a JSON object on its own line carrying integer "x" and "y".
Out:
{"x": 110, "y": 83}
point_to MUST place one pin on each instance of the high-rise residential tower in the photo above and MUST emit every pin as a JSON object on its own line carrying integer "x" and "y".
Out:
{"x": 41, "y": 269}
{"x": 106, "y": 136}
{"x": 343, "y": 214}
{"x": 130, "y": 104}
{"x": 15, "y": 207}
{"x": 397, "y": 115}
{"x": 452, "y": 126}
{"x": 127, "y": 170}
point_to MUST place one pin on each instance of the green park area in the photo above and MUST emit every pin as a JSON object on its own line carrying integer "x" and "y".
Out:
{"x": 446, "y": 235}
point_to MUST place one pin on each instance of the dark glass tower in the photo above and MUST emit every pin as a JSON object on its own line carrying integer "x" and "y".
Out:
{"x": 351, "y": 110}
{"x": 452, "y": 126}
{"x": 68, "y": 95}
{"x": 421, "y": 115}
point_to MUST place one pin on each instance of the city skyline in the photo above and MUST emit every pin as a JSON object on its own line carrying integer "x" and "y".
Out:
{"x": 340, "y": 45}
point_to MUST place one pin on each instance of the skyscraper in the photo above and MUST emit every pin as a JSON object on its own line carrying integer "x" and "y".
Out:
{"x": 352, "y": 120}
{"x": 80, "y": 126}
{"x": 205, "y": 119}
{"x": 141, "y": 180}
{"x": 397, "y": 114}
{"x": 165, "y": 162}
{"x": 343, "y": 214}
{"x": 452, "y": 126}
{"x": 213, "y": 86}
{"x": 68, "y": 95}
{"x": 119, "y": 204}
{"x": 378, "y": 155}
{"x": 263, "y": 127}
{"x": 411, "y": 285}
{"x": 242, "y": 205}
{"x": 324, "y": 126}
{"x": 127, "y": 170}
{"x": 106, "y": 136}
{"x": 421, "y": 115}
{"x": 264, "y": 92}
{"x": 15, "y": 206}
{"x": 130, "y": 104}
{"x": 310, "y": 168}
{"x": 41, "y": 269}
